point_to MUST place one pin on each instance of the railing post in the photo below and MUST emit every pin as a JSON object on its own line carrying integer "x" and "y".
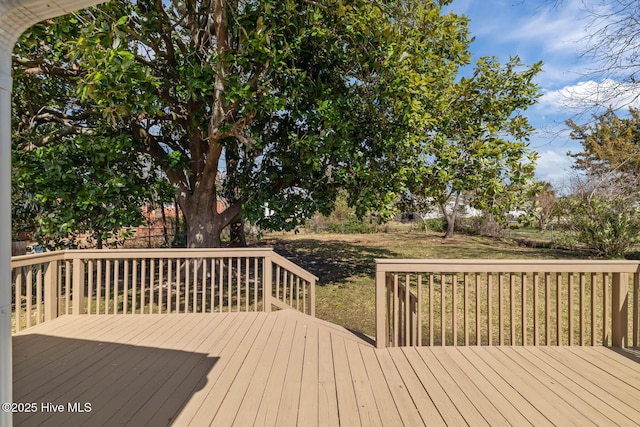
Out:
{"x": 619, "y": 309}
{"x": 381, "y": 333}
{"x": 78, "y": 286}
{"x": 267, "y": 282}
{"x": 51, "y": 291}
{"x": 312, "y": 298}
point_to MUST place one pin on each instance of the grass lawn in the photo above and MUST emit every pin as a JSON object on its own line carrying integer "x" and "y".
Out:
{"x": 345, "y": 264}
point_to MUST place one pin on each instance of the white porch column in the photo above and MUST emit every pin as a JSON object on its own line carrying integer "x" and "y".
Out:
{"x": 5, "y": 234}
{"x": 15, "y": 17}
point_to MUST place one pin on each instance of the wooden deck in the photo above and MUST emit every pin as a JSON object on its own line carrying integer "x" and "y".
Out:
{"x": 286, "y": 368}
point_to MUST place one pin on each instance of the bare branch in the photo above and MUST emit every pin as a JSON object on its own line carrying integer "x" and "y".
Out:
{"x": 55, "y": 137}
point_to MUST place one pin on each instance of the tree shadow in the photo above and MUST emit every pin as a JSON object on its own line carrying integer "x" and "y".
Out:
{"x": 332, "y": 261}
{"x": 83, "y": 382}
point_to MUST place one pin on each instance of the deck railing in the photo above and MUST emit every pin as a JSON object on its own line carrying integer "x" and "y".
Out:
{"x": 506, "y": 302}
{"x": 156, "y": 281}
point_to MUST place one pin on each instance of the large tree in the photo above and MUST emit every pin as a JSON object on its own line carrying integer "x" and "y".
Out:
{"x": 291, "y": 99}
{"x": 477, "y": 153}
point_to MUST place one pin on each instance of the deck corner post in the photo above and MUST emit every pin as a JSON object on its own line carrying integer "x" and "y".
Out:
{"x": 619, "y": 309}
{"x": 267, "y": 282}
{"x": 381, "y": 333}
{"x": 51, "y": 290}
{"x": 78, "y": 286}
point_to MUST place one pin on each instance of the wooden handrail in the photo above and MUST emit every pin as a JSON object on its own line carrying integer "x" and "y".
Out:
{"x": 294, "y": 268}
{"x": 164, "y": 253}
{"x": 506, "y": 266}
{"x": 25, "y": 260}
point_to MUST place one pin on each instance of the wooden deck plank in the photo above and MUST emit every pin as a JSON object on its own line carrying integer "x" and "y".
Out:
{"x": 589, "y": 406}
{"x": 250, "y": 404}
{"x": 118, "y": 385}
{"x": 367, "y": 407}
{"x": 482, "y": 396}
{"x": 553, "y": 406}
{"x": 618, "y": 393}
{"x": 504, "y": 387}
{"x": 593, "y": 396}
{"x": 222, "y": 374}
{"x": 238, "y": 388}
{"x": 379, "y": 387}
{"x": 521, "y": 388}
{"x": 436, "y": 400}
{"x": 308, "y": 407}
{"x": 235, "y": 354}
{"x": 395, "y": 381}
{"x": 629, "y": 359}
{"x": 67, "y": 355}
{"x": 489, "y": 389}
{"x": 613, "y": 363}
{"x": 148, "y": 402}
{"x": 347, "y": 404}
{"x": 268, "y": 409}
{"x": 38, "y": 347}
{"x": 327, "y": 394}
{"x": 467, "y": 412}
{"x": 432, "y": 401}
{"x": 288, "y": 408}
{"x": 184, "y": 382}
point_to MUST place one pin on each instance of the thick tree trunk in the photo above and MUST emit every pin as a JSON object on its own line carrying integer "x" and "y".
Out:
{"x": 204, "y": 222}
{"x": 203, "y": 231}
{"x": 451, "y": 223}
{"x": 450, "y": 217}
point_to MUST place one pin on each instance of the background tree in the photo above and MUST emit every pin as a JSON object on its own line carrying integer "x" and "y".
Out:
{"x": 611, "y": 150}
{"x": 477, "y": 153}
{"x": 543, "y": 205}
{"x": 293, "y": 100}
{"x": 603, "y": 211}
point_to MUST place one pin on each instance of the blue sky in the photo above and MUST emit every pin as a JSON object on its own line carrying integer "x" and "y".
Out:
{"x": 538, "y": 30}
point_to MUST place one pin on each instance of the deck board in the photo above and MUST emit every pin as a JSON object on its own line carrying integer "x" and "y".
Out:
{"x": 285, "y": 368}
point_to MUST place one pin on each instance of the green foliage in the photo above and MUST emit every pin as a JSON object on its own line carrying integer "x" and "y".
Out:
{"x": 608, "y": 227}
{"x": 342, "y": 220}
{"x": 75, "y": 180}
{"x": 477, "y": 152}
{"x": 435, "y": 224}
{"x": 86, "y": 188}
{"x": 294, "y": 100}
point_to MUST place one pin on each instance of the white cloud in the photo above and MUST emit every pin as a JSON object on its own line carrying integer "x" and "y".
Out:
{"x": 591, "y": 94}
{"x": 554, "y": 166}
